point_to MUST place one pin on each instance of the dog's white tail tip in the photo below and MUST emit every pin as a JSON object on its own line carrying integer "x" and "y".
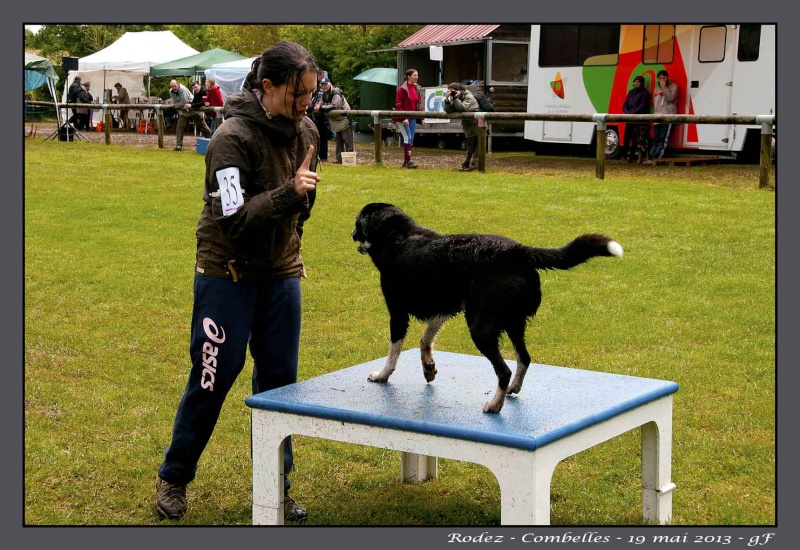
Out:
{"x": 615, "y": 248}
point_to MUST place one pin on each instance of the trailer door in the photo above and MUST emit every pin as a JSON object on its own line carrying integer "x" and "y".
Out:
{"x": 710, "y": 82}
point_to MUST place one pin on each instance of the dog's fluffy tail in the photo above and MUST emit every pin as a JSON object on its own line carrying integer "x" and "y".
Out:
{"x": 575, "y": 252}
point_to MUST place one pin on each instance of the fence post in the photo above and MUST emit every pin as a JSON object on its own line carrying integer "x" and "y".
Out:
{"x": 765, "y": 159}
{"x": 160, "y": 126}
{"x": 481, "y": 142}
{"x": 600, "y": 120}
{"x": 107, "y": 124}
{"x": 377, "y": 130}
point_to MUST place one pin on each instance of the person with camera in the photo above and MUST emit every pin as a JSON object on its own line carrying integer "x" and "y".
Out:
{"x": 334, "y": 100}
{"x": 320, "y": 120}
{"x": 461, "y": 100}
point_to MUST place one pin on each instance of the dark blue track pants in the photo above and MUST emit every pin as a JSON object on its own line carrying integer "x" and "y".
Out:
{"x": 228, "y": 316}
{"x": 660, "y": 139}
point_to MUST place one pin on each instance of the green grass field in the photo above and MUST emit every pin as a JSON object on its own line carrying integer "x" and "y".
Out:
{"x": 109, "y": 257}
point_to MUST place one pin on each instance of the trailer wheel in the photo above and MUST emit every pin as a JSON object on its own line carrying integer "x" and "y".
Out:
{"x": 613, "y": 145}
{"x": 441, "y": 143}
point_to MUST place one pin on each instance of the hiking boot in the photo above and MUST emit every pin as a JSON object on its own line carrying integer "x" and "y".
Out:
{"x": 293, "y": 511}
{"x": 170, "y": 499}
{"x": 410, "y": 164}
{"x": 177, "y": 148}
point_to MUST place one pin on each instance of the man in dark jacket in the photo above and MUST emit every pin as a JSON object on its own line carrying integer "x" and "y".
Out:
{"x": 636, "y": 103}
{"x": 183, "y": 100}
{"x": 319, "y": 118}
{"x": 72, "y": 97}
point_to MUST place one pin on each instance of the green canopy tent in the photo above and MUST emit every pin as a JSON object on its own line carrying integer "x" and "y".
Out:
{"x": 378, "y": 90}
{"x": 194, "y": 65}
{"x": 38, "y": 72}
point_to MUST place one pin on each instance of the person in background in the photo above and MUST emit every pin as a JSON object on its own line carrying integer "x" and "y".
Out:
{"x": 461, "y": 100}
{"x": 72, "y": 97}
{"x": 199, "y": 94}
{"x": 322, "y": 122}
{"x": 665, "y": 102}
{"x": 213, "y": 99}
{"x": 122, "y": 98}
{"x": 334, "y": 100}
{"x": 260, "y": 187}
{"x": 637, "y": 102}
{"x": 84, "y": 113}
{"x": 182, "y": 101}
{"x": 408, "y": 98}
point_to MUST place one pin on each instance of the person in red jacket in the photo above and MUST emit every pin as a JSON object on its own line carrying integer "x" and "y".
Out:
{"x": 213, "y": 99}
{"x": 408, "y": 98}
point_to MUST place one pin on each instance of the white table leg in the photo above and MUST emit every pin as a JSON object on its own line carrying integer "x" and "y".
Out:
{"x": 657, "y": 466}
{"x": 268, "y": 474}
{"x": 524, "y": 478}
{"x": 416, "y": 468}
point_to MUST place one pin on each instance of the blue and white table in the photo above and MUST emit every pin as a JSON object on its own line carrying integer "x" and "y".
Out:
{"x": 560, "y": 412}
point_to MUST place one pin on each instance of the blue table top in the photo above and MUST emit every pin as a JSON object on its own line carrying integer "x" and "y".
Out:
{"x": 555, "y": 401}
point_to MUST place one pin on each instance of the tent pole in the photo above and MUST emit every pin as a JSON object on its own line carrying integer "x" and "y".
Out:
{"x": 52, "y": 87}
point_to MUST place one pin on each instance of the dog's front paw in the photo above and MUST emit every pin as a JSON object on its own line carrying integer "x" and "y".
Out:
{"x": 429, "y": 371}
{"x": 377, "y": 377}
{"x": 490, "y": 407}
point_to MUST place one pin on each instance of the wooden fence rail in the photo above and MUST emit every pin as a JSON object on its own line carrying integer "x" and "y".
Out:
{"x": 766, "y": 122}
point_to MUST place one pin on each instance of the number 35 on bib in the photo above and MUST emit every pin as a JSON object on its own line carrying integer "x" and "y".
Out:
{"x": 230, "y": 191}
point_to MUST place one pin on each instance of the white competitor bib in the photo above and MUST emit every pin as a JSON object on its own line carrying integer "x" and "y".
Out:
{"x": 230, "y": 192}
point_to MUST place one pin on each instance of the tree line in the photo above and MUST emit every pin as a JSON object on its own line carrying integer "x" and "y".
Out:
{"x": 342, "y": 50}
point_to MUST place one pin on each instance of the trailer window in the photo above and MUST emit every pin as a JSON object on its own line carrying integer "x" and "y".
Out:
{"x": 509, "y": 62}
{"x": 578, "y": 45}
{"x": 749, "y": 42}
{"x": 712, "y": 44}
{"x": 659, "y": 44}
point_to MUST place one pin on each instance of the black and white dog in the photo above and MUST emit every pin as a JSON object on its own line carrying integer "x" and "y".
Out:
{"x": 493, "y": 280}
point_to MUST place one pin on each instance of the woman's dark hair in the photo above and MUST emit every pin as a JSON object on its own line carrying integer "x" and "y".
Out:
{"x": 281, "y": 63}
{"x": 408, "y": 74}
{"x": 456, "y": 86}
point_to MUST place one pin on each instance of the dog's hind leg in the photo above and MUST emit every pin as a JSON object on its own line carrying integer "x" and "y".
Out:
{"x": 426, "y": 347}
{"x": 488, "y": 345}
{"x": 517, "y": 337}
{"x": 398, "y": 327}
{"x": 503, "y": 376}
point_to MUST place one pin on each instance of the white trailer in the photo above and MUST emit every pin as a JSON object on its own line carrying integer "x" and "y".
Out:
{"x": 589, "y": 68}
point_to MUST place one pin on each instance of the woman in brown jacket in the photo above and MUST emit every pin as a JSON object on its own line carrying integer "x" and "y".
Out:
{"x": 260, "y": 186}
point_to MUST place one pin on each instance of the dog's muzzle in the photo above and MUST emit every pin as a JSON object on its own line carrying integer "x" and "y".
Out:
{"x": 363, "y": 247}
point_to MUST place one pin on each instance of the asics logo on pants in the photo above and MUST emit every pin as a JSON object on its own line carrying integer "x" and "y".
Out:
{"x": 216, "y": 335}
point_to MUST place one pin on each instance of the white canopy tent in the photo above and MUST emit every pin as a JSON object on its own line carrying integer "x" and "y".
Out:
{"x": 230, "y": 75}
{"x": 128, "y": 61}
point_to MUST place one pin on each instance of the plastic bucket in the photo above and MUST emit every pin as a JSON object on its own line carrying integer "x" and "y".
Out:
{"x": 349, "y": 159}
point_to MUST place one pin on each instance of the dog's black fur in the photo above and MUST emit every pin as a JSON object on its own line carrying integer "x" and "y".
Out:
{"x": 643, "y": 142}
{"x": 493, "y": 280}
